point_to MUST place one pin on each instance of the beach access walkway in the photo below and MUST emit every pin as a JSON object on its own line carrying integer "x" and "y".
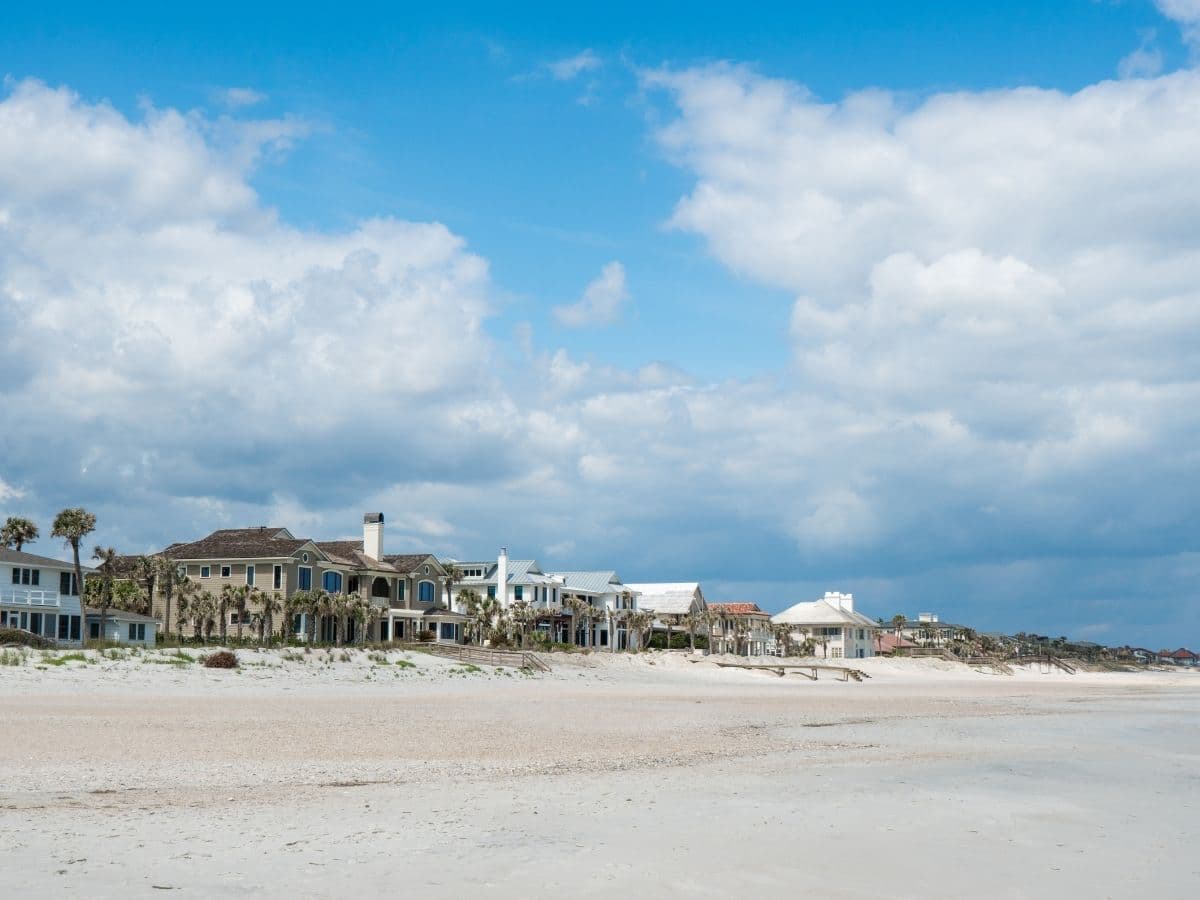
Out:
{"x": 781, "y": 669}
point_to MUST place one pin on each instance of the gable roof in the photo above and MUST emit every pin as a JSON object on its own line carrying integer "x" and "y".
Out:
{"x": 350, "y": 553}
{"x": 21, "y": 558}
{"x": 670, "y": 597}
{"x": 818, "y": 612}
{"x": 409, "y": 562}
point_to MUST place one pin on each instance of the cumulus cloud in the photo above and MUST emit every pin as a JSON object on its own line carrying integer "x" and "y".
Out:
{"x": 995, "y": 309}
{"x": 188, "y": 341}
{"x": 602, "y": 300}
{"x": 571, "y": 67}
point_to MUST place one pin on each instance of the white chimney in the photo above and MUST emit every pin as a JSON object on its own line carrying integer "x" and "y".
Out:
{"x": 838, "y": 600}
{"x": 373, "y": 535}
{"x": 502, "y": 577}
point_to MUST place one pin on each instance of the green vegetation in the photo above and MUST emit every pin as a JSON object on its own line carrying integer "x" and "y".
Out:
{"x": 24, "y": 638}
{"x": 51, "y": 660}
{"x": 12, "y": 657}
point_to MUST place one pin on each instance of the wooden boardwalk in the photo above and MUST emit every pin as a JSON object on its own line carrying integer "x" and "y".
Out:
{"x": 513, "y": 659}
{"x": 781, "y": 669}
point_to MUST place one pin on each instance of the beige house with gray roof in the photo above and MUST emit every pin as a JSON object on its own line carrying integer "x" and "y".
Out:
{"x": 403, "y": 589}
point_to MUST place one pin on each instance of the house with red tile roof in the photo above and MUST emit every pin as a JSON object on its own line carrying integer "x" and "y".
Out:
{"x": 1180, "y": 657}
{"x": 740, "y": 628}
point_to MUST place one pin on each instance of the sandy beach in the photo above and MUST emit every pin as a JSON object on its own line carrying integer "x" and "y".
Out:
{"x": 642, "y": 776}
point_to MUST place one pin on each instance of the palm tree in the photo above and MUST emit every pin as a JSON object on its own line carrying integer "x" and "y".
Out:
{"x": 523, "y": 615}
{"x": 202, "y": 610}
{"x": 18, "y": 532}
{"x": 361, "y": 610}
{"x": 224, "y": 599}
{"x": 453, "y": 577}
{"x": 73, "y": 525}
{"x": 693, "y": 619}
{"x": 107, "y": 567}
{"x": 270, "y": 604}
{"x": 187, "y": 590}
{"x": 168, "y": 578}
{"x": 241, "y": 596}
{"x": 291, "y": 607}
{"x": 145, "y": 572}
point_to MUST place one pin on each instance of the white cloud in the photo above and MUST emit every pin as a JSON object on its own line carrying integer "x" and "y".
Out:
{"x": 1187, "y": 14}
{"x": 571, "y": 67}
{"x": 8, "y": 492}
{"x": 1144, "y": 62}
{"x": 239, "y": 97}
{"x": 602, "y": 300}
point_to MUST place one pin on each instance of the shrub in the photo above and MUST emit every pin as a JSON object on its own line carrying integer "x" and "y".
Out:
{"x": 24, "y": 638}
{"x": 405, "y": 664}
{"x": 12, "y": 657}
{"x": 222, "y": 659}
{"x": 425, "y": 636}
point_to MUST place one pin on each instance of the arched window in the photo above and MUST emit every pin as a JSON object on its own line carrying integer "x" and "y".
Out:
{"x": 425, "y": 592}
{"x": 380, "y": 588}
{"x": 332, "y": 582}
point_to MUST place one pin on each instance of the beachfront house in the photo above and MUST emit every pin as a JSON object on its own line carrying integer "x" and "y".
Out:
{"x": 39, "y": 595}
{"x": 1181, "y": 657}
{"x": 118, "y": 626}
{"x": 555, "y": 599}
{"x": 740, "y": 628}
{"x": 836, "y": 629}
{"x": 403, "y": 591}
{"x": 602, "y": 601}
{"x": 676, "y": 605}
{"x": 928, "y": 630}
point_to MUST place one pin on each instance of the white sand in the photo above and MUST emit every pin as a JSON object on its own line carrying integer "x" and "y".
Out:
{"x": 608, "y": 777}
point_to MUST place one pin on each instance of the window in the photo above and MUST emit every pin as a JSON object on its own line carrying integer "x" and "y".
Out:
{"x": 250, "y": 575}
{"x": 519, "y": 592}
{"x": 426, "y": 571}
{"x": 448, "y": 631}
{"x": 305, "y": 578}
{"x": 352, "y": 584}
{"x": 425, "y": 591}
{"x": 64, "y": 628}
{"x": 31, "y": 577}
{"x": 94, "y": 630}
{"x": 16, "y": 576}
{"x": 137, "y": 631}
{"x": 74, "y": 628}
{"x": 400, "y": 590}
{"x": 332, "y": 582}
{"x": 226, "y": 571}
{"x": 206, "y": 571}
{"x": 303, "y": 557}
{"x": 51, "y": 625}
{"x": 383, "y": 629}
{"x": 277, "y": 578}
{"x": 492, "y": 591}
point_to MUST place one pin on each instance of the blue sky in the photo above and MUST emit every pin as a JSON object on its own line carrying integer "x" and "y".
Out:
{"x": 753, "y": 295}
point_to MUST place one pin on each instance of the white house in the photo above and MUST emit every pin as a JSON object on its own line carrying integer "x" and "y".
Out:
{"x": 833, "y": 624}
{"x": 670, "y": 601}
{"x": 121, "y": 627}
{"x": 39, "y": 595}
{"x": 604, "y": 592}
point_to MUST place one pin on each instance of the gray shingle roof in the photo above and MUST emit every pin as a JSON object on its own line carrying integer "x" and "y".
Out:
{"x": 21, "y": 558}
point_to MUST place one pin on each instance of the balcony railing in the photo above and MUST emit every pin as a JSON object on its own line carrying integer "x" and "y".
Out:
{"x": 21, "y": 596}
